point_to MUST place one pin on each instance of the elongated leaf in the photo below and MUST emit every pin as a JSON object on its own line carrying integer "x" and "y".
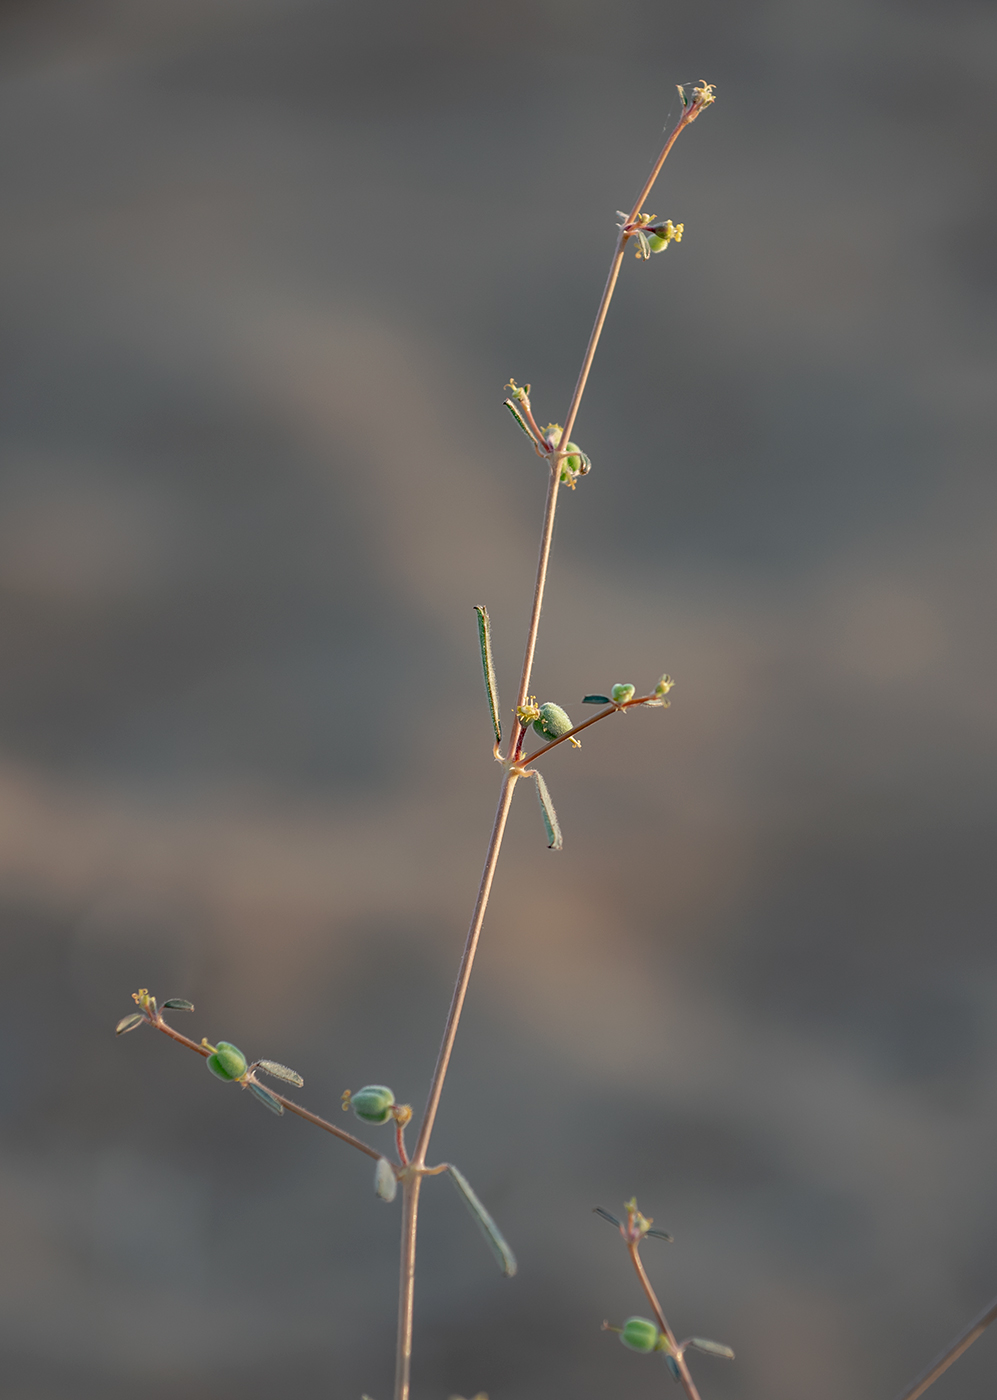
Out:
{"x": 487, "y": 665}
{"x": 595, "y": 699}
{"x": 660, "y": 1235}
{"x": 598, "y": 1210}
{"x": 265, "y": 1097}
{"x": 551, "y": 824}
{"x": 128, "y": 1023}
{"x": 504, "y": 1255}
{"x": 714, "y": 1348}
{"x": 673, "y": 1367}
{"x": 385, "y": 1181}
{"x": 277, "y": 1071}
{"x": 178, "y": 1004}
{"x": 519, "y": 418}
{"x": 645, "y": 247}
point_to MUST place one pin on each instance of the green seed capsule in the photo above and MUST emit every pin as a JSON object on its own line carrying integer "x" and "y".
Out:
{"x": 639, "y": 1334}
{"x": 622, "y": 693}
{"x": 373, "y": 1104}
{"x": 227, "y": 1062}
{"x": 553, "y": 722}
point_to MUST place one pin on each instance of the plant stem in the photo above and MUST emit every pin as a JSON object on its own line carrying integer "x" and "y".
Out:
{"x": 952, "y": 1352}
{"x": 403, "y": 1355}
{"x": 412, "y": 1185}
{"x": 688, "y": 1383}
{"x": 305, "y": 1113}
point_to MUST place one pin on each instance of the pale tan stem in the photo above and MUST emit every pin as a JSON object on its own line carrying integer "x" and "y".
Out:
{"x": 464, "y": 972}
{"x": 689, "y": 115}
{"x": 406, "y": 1283}
{"x": 952, "y": 1352}
{"x": 688, "y": 1383}
{"x": 546, "y": 539}
{"x": 409, "y": 1225}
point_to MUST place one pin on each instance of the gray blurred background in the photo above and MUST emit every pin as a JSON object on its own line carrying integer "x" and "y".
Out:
{"x": 266, "y": 267}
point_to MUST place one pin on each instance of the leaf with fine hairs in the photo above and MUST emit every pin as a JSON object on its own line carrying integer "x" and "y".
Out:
{"x": 178, "y": 1004}
{"x": 265, "y": 1097}
{"x": 595, "y": 699}
{"x": 488, "y": 666}
{"x": 277, "y": 1071}
{"x": 714, "y": 1348}
{"x": 504, "y": 1255}
{"x": 519, "y": 418}
{"x": 552, "y": 826}
{"x": 128, "y": 1023}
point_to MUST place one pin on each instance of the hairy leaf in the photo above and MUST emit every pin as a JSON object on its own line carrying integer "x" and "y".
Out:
{"x": 277, "y": 1071}
{"x": 551, "y": 824}
{"x": 714, "y": 1348}
{"x": 487, "y": 665}
{"x": 504, "y": 1255}
{"x": 265, "y": 1097}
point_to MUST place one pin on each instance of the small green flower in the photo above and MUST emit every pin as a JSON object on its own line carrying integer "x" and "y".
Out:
{"x": 622, "y": 693}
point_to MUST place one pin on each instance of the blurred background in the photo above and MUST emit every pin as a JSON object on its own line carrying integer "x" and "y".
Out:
{"x": 267, "y": 265}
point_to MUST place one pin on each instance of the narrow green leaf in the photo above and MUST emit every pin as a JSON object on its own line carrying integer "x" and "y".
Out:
{"x": 519, "y": 418}
{"x": 503, "y": 1254}
{"x": 128, "y": 1023}
{"x": 178, "y": 1004}
{"x": 551, "y": 825}
{"x": 265, "y": 1097}
{"x": 598, "y": 1210}
{"x": 660, "y": 1235}
{"x": 277, "y": 1071}
{"x": 673, "y": 1367}
{"x": 595, "y": 699}
{"x": 487, "y": 665}
{"x": 714, "y": 1348}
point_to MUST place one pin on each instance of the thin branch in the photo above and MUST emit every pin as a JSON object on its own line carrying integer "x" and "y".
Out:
{"x": 291, "y": 1107}
{"x": 603, "y": 714}
{"x": 633, "y": 1248}
{"x": 952, "y": 1352}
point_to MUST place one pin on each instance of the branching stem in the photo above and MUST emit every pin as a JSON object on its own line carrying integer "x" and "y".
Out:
{"x": 403, "y": 1356}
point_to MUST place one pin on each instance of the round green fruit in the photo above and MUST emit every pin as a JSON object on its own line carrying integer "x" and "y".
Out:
{"x": 639, "y": 1334}
{"x": 553, "y": 722}
{"x": 227, "y": 1062}
{"x": 373, "y": 1103}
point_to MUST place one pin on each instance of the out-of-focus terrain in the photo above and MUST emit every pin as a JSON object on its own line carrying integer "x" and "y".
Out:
{"x": 265, "y": 268}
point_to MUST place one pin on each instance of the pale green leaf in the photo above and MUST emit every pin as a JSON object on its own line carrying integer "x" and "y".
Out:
{"x": 503, "y": 1254}
{"x": 488, "y": 666}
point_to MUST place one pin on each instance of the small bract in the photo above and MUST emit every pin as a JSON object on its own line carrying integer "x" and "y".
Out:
{"x": 373, "y": 1104}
